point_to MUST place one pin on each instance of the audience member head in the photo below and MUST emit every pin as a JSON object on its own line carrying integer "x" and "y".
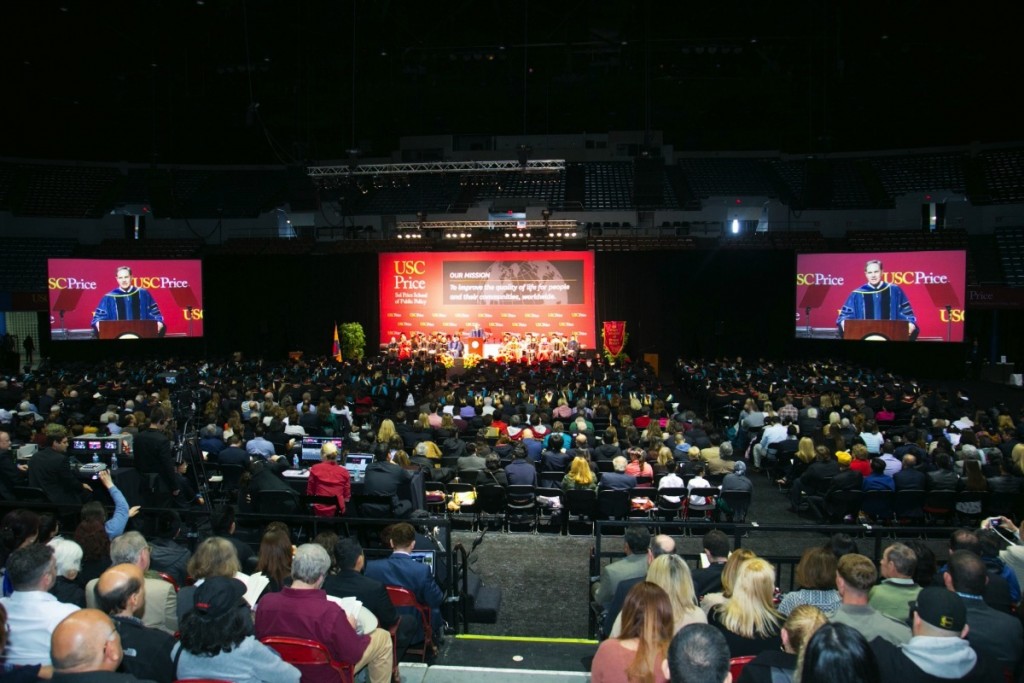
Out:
{"x": 401, "y": 536}
{"x": 816, "y": 569}
{"x": 215, "y": 556}
{"x": 838, "y": 653}
{"x": 841, "y": 544}
{"x": 716, "y": 545}
{"x": 637, "y": 539}
{"x": 926, "y": 566}
{"x": 68, "y": 556}
{"x": 966, "y": 573}
{"x": 670, "y": 573}
{"x": 121, "y": 589}
{"x": 750, "y": 611}
{"x": 898, "y": 561}
{"x": 32, "y": 568}
{"x": 275, "y": 556}
{"x": 698, "y": 654}
{"x": 18, "y": 528}
{"x": 619, "y": 464}
{"x": 938, "y": 613}
{"x": 310, "y": 564}
{"x": 84, "y": 641}
{"x": 646, "y": 617}
{"x": 219, "y": 619}
{"x": 732, "y": 568}
{"x": 799, "y": 626}
{"x": 349, "y": 554}
{"x": 855, "y": 575}
{"x": 130, "y": 547}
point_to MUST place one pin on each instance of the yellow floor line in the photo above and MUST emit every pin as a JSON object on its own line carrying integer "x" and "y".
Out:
{"x": 528, "y": 639}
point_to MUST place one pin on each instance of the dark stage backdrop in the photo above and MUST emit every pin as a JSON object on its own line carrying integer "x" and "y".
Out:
{"x": 675, "y": 303}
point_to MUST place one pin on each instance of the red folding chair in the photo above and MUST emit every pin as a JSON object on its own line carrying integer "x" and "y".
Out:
{"x": 736, "y": 665}
{"x": 305, "y": 652}
{"x": 403, "y": 597}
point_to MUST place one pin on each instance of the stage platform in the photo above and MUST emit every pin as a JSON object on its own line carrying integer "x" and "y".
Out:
{"x": 468, "y": 658}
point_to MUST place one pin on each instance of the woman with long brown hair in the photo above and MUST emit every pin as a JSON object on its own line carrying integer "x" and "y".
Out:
{"x": 636, "y": 655}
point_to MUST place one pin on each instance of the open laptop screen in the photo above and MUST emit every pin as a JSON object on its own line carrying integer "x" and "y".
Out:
{"x": 311, "y": 447}
{"x": 424, "y": 556}
{"x": 356, "y": 464}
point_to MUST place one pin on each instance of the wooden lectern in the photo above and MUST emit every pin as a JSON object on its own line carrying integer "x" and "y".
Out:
{"x": 877, "y": 330}
{"x": 128, "y": 329}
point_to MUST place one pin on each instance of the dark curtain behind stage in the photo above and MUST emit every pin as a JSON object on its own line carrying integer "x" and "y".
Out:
{"x": 675, "y": 303}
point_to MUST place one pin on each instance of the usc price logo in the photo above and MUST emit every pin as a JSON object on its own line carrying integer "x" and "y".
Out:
{"x": 955, "y": 315}
{"x": 197, "y": 314}
{"x": 410, "y": 267}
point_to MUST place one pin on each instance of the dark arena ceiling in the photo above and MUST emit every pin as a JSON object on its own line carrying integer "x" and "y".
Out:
{"x": 297, "y": 81}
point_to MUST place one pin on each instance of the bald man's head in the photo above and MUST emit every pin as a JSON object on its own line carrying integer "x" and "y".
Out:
{"x": 86, "y": 641}
{"x": 121, "y": 591}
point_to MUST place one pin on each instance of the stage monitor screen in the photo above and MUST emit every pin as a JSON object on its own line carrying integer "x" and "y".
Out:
{"x": 881, "y": 296}
{"x": 500, "y": 304}
{"x": 124, "y": 299}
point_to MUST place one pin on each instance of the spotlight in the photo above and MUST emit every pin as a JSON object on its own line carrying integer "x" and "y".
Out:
{"x": 735, "y": 226}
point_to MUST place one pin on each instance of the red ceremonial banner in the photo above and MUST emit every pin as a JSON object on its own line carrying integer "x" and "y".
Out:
{"x": 614, "y": 336}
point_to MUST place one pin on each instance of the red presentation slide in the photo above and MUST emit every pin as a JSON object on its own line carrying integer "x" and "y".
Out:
{"x": 494, "y": 297}
{"x": 884, "y": 296}
{"x": 124, "y": 299}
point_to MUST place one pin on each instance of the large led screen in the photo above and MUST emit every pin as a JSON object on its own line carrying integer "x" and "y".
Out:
{"x": 883, "y": 296}
{"x": 124, "y": 299}
{"x": 492, "y": 300}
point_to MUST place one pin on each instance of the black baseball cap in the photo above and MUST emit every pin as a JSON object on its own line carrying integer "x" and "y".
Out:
{"x": 941, "y": 608}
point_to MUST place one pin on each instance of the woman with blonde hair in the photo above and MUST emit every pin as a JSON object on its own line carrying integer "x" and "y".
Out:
{"x": 664, "y": 463}
{"x": 670, "y": 573}
{"x": 773, "y": 665}
{"x": 386, "y": 432}
{"x": 749, "y": 620}
{"x": 580, "y": 476}
{"x": 329, "y": 478}
{"x": 637, "y": 654}
{"x": 732, "y": 565}
{"x": 803, "y": 457}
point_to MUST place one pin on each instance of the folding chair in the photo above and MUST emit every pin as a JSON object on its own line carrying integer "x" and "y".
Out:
{"x": 580, "y": 509}
{"x": 307, "y": 654}
{"x": 403, "y": 597}
{"x": 521, "y": 508}
{"x": 490, "y": 506}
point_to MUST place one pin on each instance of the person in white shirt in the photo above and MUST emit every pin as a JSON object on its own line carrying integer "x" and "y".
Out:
{"x": 32, "y": 612}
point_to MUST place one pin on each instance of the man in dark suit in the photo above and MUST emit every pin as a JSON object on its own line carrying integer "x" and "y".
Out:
{"x": 716, "y": 548}
{"x": 995, "y": 635}
{"x": 49, "y": 470}
{"x": 155, "y": 462}
{"x": 401, "y": 570}
{"x": 385, "y": 478}
{"x": 910, "y": 477}
{"x": 11, "y": 473}
{"x": 617, "y": 480}
{"x": 233, "y": 453}
{"x": 350, "y": 582}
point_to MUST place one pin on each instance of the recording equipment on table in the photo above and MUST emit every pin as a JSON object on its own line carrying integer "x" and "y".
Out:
{"x": 92, "y": 468}
{"x": 103, "y": 449}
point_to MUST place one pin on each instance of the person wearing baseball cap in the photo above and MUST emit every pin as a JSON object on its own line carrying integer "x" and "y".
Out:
{"x": 938, "y": 649}
{"x": 218, "y": 641}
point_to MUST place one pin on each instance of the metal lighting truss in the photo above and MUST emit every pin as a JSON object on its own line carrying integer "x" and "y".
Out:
{"x": 552, "y": 224}
{"x": 435, "y": 167}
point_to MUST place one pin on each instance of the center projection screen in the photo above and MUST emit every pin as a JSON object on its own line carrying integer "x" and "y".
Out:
{"x": 124, "y": 299}
{"x": 881, "y": 296}
{"x": 494, "y": 296}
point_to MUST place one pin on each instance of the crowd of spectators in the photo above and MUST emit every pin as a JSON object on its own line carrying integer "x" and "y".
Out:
{"x": 598, "y": 425}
